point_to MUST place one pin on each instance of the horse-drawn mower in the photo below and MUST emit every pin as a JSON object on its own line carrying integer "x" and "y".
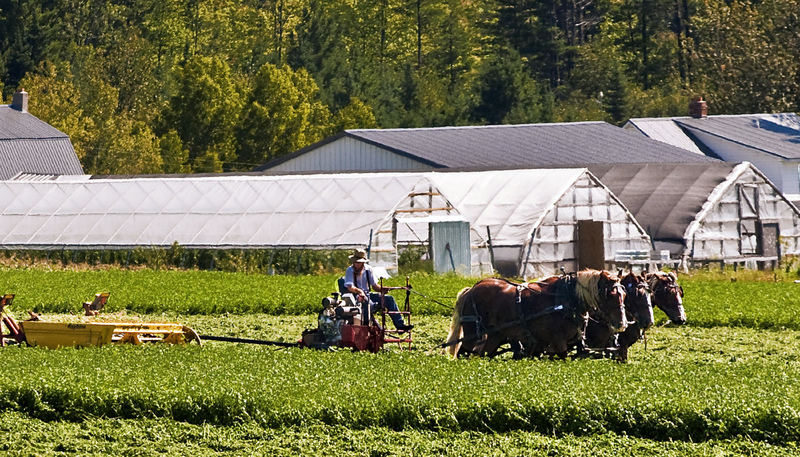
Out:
{"x": 342, "y": 323}
{"x": 87, "y": 330}
{"x": 346, "y": 323}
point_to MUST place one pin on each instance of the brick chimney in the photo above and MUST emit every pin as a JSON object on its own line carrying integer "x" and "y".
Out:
{"x": 20, "y": 100}
{"x": 698, "y": 108}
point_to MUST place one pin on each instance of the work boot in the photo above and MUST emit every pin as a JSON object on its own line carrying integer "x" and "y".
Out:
{"x": 405, "y": 327}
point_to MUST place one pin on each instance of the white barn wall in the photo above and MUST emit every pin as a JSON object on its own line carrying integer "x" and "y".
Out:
{"x": 782, "y": 173}
{"x": 348, "y": 154}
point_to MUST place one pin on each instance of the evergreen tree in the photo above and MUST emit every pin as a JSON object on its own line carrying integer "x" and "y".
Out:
{"x": 616, "y": 98}
{"x": 506, "y": 93}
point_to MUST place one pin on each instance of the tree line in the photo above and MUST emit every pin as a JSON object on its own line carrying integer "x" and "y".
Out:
{"x": 182, "y": 86}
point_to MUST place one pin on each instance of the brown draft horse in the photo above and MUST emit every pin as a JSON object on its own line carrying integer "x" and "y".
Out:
{"x": 667, "y": 295}
{"x": 639, "y": 314}
{"x": 545, "y": 317}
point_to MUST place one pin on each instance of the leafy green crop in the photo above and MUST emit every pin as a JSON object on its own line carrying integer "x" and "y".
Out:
{"x": 201, "y": 292}
{"x": 709, "y": 302}
{"x": 159, "y": 436}
{"x": 231, "y": 384}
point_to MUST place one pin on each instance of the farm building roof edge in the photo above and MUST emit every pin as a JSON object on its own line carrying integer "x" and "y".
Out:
{"x": 437, "y": 147}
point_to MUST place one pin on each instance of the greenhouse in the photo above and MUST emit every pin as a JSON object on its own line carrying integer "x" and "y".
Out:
{"x": 716, "y": 212}
{"x": 522, "y": 222}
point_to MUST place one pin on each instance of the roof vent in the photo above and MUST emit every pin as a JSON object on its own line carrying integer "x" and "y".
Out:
{"x": 698, "y": 108}
{"x": 20, "y": 100}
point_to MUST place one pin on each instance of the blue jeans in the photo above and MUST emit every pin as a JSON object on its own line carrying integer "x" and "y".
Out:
{"x": 389, "y": 304}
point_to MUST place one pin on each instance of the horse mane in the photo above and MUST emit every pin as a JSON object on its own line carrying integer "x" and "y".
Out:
{"x": 587, "y": 289}
{"x": 661, "y": 276}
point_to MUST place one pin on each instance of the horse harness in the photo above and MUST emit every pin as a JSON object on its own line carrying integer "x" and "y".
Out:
{"x": 565, "y": 300}
{"x": 636, "y": 289}
{"x": 666, "y": 285}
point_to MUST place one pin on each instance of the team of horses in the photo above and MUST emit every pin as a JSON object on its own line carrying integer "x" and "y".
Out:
{"x": 590, "y": 313}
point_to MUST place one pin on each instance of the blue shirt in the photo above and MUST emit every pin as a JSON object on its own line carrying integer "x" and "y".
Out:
{"x": 363, "y": 281}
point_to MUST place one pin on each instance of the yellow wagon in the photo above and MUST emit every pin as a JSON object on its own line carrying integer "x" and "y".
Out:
{"x": 85, "y": 332}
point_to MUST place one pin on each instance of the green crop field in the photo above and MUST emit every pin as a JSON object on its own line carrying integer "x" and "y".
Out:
{"x": 728, "y": 383}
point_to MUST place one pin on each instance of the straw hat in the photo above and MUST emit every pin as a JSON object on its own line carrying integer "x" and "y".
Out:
{"x": 359, "y": 255}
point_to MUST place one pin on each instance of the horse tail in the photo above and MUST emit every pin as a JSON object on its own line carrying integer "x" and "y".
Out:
{"x": 456, "y": 329}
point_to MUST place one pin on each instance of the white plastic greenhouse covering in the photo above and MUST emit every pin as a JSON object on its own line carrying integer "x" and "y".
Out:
{"x": 527, "y": 217}
{"x": 317, "y": 212}
{"x": 309, "y": 212}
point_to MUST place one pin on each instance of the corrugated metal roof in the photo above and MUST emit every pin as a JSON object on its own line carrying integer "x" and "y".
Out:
{"x": 33, "y": 177}
{"x": 40, "y": 156}
{"x": 664, "y": 130}
{"x": 775, "y": 134}
{"x": 16, "y": 125}
{"x": 531, "y": 145}
{"x": 29, "y": 145}
{"x": 664, "y": 198}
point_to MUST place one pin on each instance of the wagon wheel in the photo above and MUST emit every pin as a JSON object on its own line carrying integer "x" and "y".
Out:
{"x": 190, "y": 335}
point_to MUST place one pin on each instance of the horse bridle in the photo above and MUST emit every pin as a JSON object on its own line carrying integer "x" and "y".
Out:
{"x": 604, "y": 291}
{"x": 669, "y": 286}
{"x": 638, "y": 289}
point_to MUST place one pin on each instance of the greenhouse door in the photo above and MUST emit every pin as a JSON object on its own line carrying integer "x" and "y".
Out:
{"x": 768, "y": 239}
{"x": 591, "y": 246}
{"x": 450, "y": 247}
{"x": 748, "y": 220}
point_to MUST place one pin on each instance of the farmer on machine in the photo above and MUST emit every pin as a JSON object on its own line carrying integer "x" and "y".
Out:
{"x": 359, "y": 278}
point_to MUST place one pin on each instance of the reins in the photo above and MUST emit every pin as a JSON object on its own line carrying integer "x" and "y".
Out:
{"x": 429, "y": 298}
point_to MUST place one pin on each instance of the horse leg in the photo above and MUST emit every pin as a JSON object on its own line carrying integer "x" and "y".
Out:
{"x": 518, "y": 349}
{"x": 622, "y": 355}
{"x": 491, "y": 345}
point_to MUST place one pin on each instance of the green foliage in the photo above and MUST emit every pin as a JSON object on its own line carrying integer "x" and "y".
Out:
{"x": 119, "y": 76}
{"x": 356, "y": 115}
{"x": 173, "y": 154}
{"x": 205, "y": 111}
{"x": 709, "y": 302}
{"x": 410, "y": 259}
{"x": 690, "y": 402}
{"x": 616, "y": 99}
{"x": 282, "y": 115}
{"x": 506, "y": 93}
{"x": 758, "y": 72}
{"x": 104, "y": 436}
{"x": 721, "y": 385}
{"x": 52, "y": 99}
